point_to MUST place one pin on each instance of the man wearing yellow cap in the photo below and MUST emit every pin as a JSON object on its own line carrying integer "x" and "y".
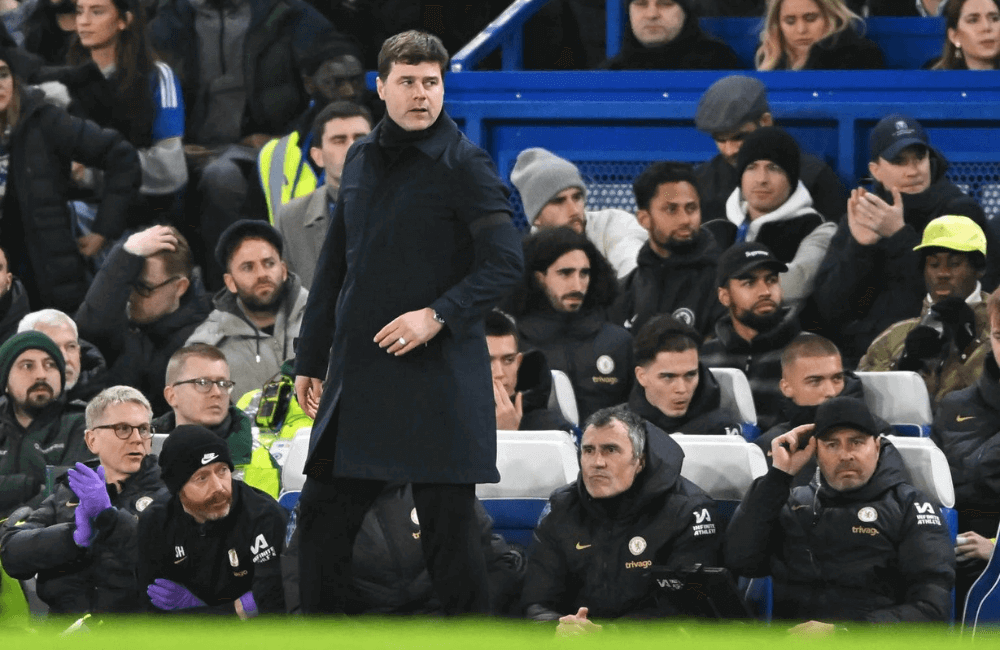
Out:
{"x": 947, "y": 343}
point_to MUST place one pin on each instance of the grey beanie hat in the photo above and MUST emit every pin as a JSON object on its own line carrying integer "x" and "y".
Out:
{"x": 539, "y": 175}
{"x": 729, "y": 103}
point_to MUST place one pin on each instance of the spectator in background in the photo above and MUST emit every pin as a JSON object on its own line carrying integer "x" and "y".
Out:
{"x": 731, "y": 109}
{"x": 554, "y": 195}
{"x": 948, "y": 342}
{"x": 86, "y": 370}
{"x": 38, "y": 232}
{"x": 665, "y": 35}
{"x": 522, "y": 381}
{"x": 38, "y": 427}
{"x": 814, "y": 35}
{"x": 676, "y": 267}
{"x": 757, "y": 328}
{"x": 972, "y": 37}
{"x": 560, "y": 310}
{"x": 258, "y": 314}
{"x": 49, "y": 28}
{"x": 674, "y": 390}
{"x": 303, "y": 221}
{"x": 870, "y": 276}
{"x": 773, "y": 207}
{"x": 13, "y": 300}
{"x": 142, "y": 306}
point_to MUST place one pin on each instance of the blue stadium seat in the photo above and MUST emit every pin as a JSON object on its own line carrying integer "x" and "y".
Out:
{"x": 900, "y": 398}
{"x": 982, "y": 604}
{"x": 289, "y": 499}
{"x": 737, "y": 399}
{"x": 515, "y": 519}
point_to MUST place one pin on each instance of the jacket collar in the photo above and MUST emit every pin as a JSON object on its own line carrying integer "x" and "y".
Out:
{"x": 432, "y": 147}
{"x": 707, "y": 397}
{"x": 798, "y": 204}
{"x": 773, "y": 339}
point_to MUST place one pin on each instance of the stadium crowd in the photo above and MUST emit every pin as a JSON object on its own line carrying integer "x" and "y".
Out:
{"x": 180, "y": 187}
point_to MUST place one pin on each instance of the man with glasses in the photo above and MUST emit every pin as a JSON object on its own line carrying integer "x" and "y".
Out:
{"x": 144, "y": 303}
{"x": 38, "y": 428}
{"x": 81, "y": 541}
{"x": 198, "y": 390}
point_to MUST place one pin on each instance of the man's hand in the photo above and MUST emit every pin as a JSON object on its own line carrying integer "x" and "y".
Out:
{"x": 408, "y": 331}
{"x": 793, "y": 459}
{"x": 308, "y": 390}
{"x": 812, "y": 629}
{"x": 867, "y": 212}
{"x": 576, "y": 624}
{"x": 151, "y": 241}
{"x": 90, "y": 245}
{"x": 508, "y": 413}
{"x": 973, "y": 546}
{"x": 167, "y": 594}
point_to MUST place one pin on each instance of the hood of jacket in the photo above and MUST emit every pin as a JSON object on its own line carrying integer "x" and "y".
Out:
{"x": 548, "y": 325}
{"x": 889, "y": 472}
{"x": 707, "y": 397}
{"x": 230, "y": 425}
{"x": 661, "y": 474}
{"x": 798, "y": 204}
{"x": 226, "y": 302}
{"x": 796, "y": 415}
{"x": 772, "y": 339}
{"x": 195, "y": 306}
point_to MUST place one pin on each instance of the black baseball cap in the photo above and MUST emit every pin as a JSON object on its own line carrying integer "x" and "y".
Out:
{"x": 742, "y": 258}
{"x": 844, "y": 413}
{"x": 894, "y": 133}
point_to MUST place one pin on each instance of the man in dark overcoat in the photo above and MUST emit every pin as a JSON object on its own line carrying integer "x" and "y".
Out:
{"x": 420, "y": 246}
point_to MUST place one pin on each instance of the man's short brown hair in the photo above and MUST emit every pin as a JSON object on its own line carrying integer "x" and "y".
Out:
{"x": 411, "y": 48}
{"x": 180, "y": 261}
{"x": 180, "y": 357}
{"x": 807, "y": 344}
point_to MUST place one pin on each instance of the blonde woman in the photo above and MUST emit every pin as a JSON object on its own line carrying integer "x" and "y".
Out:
{"x": 814, "y": 35}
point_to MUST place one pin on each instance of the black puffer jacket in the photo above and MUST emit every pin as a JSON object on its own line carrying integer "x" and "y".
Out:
{"x": 682, "y": 285}
{"x": 44, "y": 142}
{"x": 846, "y": 50}
{"x": 595, "y": 553}
{"x": 703, "y": 417}
{"x": 861, "y": 290}
{"x": 692, "y": 49}
{"x": 13, "y": 307}
{"x": 596, "y": 355}
{"x": 967, "y": 429}
{"x": 880, "y": 553}
{"x": 71, "y": 579}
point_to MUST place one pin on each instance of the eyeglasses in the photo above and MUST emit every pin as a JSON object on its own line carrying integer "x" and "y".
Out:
{"x": 124, "y": 430}
{"x": 146, "y": 291}
{"x": 203, "y": 385}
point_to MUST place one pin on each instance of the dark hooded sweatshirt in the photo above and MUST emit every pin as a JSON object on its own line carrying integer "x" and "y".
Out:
{"x": 703, "y": 417}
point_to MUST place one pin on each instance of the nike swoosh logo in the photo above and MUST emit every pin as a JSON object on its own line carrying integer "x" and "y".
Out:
{"x": 580, "y": 546}
{"x": 963, "y": 418}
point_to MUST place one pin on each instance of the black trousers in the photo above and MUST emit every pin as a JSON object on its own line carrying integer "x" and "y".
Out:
{"x": 331, "y": 511}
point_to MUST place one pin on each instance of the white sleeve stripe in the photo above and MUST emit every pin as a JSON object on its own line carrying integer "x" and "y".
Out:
{"x": 168, "y": 89}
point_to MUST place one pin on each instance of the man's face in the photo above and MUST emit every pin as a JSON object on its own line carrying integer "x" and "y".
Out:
{"x": 6, "y": 277}
{"x": 339, "y": 78}
{"x": 673, "y": 217}
{"x": 847, "y": 458}
{"x": 729, "y": 143}
{"x": 193, "y": 407}
{"x": 505, "y": 361}
{"x": 670, "y": 381}
{"x": 810, "y": 381}
{"x": 413, "y": 94}
{"x": 566, "y": 281}
{"x": 655, "y": 22}
{"x": 754, "y": 299}
{"x": 950, "y": 274}
{"x": 765, "y": 187}
{"x": 208, "y": 494}
{"x": 64, "y": 337}
{"x": 34, "y": 381}
{"x": 257, "y": 275}
{"x": 606, "y": 461}
{"x": 910, "y": 171}
{"x": 120, "y": 458}
{"x": 154, "y": 293}
{"x": 564, "y": 209}
{"x": 338, "y": 136}
{"x": 995, "y": 335}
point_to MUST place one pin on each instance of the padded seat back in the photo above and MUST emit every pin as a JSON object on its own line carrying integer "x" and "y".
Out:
{"x": 532, "y": 464}
{"x": 900, "y": 398}
{"x": 563, "y": 398}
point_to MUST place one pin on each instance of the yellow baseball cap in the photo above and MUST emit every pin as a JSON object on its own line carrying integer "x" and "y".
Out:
{"x": 954, "y": 233}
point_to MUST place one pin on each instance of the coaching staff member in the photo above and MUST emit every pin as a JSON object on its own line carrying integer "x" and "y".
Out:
{"x": 420, "y": 246}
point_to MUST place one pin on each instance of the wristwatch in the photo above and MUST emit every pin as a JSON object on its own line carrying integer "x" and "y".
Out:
{"x": 437, "y": 316}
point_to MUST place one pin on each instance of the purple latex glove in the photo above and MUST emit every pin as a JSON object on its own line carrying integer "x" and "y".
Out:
{"x": 167, "y": 594}
{"x": 92, "y": 489}
{"x": 249, "y": 606}
{"x": 84, "y": 531}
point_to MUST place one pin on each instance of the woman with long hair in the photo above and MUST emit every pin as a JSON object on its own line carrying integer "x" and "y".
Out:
{"x": 814, "y": 35}
{"x": 134, "y": 93}
{"x": 972, "y": 38}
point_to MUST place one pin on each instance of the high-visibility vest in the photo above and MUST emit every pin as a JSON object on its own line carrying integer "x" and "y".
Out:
{"x": 285, "y": 174}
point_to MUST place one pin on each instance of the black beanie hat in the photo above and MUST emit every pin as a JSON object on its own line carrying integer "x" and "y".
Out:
{"x": 30, "y": 340}
{"x": 187, "y": 449}
{"x": 774, "y": 144}
{"x": 233, "y": 236}
{"x": 844, "y": 413}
